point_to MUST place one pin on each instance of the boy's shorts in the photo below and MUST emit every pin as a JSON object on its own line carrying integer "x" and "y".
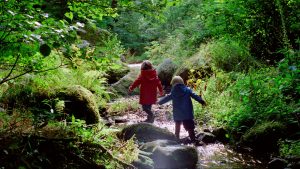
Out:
{"x": 187, "y": 124}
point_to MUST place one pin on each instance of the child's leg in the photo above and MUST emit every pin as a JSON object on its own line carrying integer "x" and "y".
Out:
{"x": 192, "y": 135}
{"x": 177, "y": 128}
{"x": 150, "y": 115}
{"x": 189, "y": 126}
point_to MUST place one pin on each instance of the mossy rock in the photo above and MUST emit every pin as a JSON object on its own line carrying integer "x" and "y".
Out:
{"x": 165, "y": 71}
{"x": 145, "y": 132}
{"x": 170, "y": 154}
{"x": 264, "y": 137}
{"x": 121, "y": 87}
{"x": 114, "y": 74}
{"x": 175, "y": 157}
{"x": 144, "y": 161}
{"x": 195, "y": 67}
{"x": 151, "y": 146}
{"x": 80, "y": 102}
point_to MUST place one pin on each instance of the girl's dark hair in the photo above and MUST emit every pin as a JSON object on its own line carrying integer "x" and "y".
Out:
{"x": 146, "y": 65}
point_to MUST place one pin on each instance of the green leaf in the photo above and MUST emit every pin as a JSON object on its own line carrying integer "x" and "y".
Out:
{"x": 69, "y": 15}
{"x": 73, "y": 119}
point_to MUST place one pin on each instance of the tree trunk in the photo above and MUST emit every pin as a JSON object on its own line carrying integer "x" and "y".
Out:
{"x": 114, "y": 3}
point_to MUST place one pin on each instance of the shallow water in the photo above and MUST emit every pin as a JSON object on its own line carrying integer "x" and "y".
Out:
{"x": 211, "y": 156}
{"x": 220, "y": 156}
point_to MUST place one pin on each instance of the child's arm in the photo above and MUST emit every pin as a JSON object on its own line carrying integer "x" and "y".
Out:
{"x": 165, "y": 99}
{"x": 197, "y": 97}
{"x": 136, "y": 83}
{"x": 160, "y": 88}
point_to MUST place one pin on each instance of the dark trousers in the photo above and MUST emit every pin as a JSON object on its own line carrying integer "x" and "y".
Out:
{"x": 189, "y": 126}
{"x": 147, "y": 109}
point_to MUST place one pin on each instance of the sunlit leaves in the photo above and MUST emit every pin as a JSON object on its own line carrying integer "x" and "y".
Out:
{"x": 91, "y": 10}
{"x": 69, "y": 15}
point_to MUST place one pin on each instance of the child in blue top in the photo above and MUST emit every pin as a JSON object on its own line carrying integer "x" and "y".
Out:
{"x": 183, "y": 112}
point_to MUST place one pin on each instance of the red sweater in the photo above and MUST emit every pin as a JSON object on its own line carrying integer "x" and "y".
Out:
{"x": 148, "y": 82}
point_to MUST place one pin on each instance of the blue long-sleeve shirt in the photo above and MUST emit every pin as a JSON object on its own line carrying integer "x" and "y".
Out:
{"x": 182, "y": 104}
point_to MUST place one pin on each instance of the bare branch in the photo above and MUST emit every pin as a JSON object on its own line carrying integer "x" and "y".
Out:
{"x": 8, "y": 78}
{"x": 11, "y": 70}
{"x": 22, "y": 74}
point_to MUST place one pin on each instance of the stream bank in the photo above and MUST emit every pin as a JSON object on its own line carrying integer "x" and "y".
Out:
{"x": 211, "y": 155}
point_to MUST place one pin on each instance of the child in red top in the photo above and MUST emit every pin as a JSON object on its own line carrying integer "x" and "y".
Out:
{"x": 148, "y": 83}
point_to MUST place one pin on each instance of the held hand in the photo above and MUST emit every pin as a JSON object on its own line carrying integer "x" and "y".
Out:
{"x": 161, "y": 94}
{"x": 129, "y": 91}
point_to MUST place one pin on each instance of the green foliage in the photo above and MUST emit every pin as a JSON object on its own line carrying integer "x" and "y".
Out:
{"x": 181, "y": 32}
{"x": 38, "y": 92}
{"x": 289, "y": 148}
{"x": 262, "y": 24}
{"x": 77, "y": 144}
{"x": 139, "y": 24}
{"x": 26, "y": 28}
{"x": 228, "y": 54}
{"x": 241, "y": 100}
{"x": 218, "y": 100}
{"x": 122, "y": 106}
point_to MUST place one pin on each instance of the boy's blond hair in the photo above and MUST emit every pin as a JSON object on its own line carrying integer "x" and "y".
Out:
{"x": 176, "y": 80}
{"x": 146, "y": 65}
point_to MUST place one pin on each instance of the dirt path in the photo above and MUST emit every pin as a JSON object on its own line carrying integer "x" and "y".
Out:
{"x": 163, "y": 116}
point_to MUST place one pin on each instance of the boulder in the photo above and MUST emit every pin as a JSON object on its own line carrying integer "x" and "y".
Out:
{"x": 277, "y": 163}
{"x": 264, "y": 137}
{"x": 114, "y": 74}
{"x": 168, "y": 154}
{"x": 151, "y": 146}
{"x": 206, "y": 137}
{"x": 121, "y": 87}
{"x": 295, "y": 165}
{"x": 165, "y": 71}
{"x": 145, "y": 132}
{"x": 220, "y": 134}
{"x": 195, "y": 67}
{"x": 144, "y": 161}
{"x": 80, "y": 102}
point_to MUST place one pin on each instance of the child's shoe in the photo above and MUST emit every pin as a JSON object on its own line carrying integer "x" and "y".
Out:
{"x": 149, "y": 120}
{"x": 198, "y": 143}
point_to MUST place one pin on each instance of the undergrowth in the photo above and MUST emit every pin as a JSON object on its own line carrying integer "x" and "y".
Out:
{"x": 61, "y": 145}
{"x": 122, "y": 106}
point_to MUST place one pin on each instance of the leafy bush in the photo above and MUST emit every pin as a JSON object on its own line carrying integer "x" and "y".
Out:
{"x": 38, "y": 92}
{"x": 214, "y": 92}
{"x": 289, "y": 148}
{"x": 71, "y": 145}
{"x": 169, "y": 48}
{"x": 263, "y": 25}
{"x": 241, "y": 100}
{"x": 228, "y": 54}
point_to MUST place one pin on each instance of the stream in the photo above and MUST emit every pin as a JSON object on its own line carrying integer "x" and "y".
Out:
{"x": 211, "y": 156}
